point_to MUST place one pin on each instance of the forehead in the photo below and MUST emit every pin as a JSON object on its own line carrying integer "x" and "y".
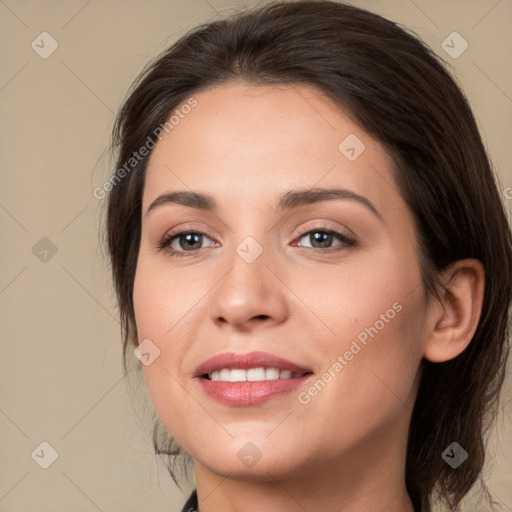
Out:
{"x": 242, "y": 140}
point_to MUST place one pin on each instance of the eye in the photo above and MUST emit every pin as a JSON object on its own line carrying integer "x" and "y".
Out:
{"x": 322, "y": 237}
{"x": 181, "y": 243}
{"x": 188, "y": 242}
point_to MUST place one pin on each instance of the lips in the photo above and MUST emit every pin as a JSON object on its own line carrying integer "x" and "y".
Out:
{"x": 248, "y": 361}
{"x": 249, "y": 379}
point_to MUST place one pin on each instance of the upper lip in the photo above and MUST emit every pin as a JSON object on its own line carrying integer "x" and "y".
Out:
{"x": 245, "y": 361}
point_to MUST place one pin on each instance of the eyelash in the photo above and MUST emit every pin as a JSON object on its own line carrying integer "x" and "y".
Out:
{"x": 346, "y": 241}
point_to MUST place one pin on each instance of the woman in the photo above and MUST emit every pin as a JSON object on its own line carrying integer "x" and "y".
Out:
{"x": 312, "y": 262}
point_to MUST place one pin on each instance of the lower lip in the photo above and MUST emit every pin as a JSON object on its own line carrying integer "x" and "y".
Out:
{"x": 250, "y": 393}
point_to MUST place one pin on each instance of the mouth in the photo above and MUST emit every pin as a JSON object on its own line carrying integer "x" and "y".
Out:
{"x": 249, "y": 379}
{"x": 252, "y": 374}
{"x": 252, "y": 366}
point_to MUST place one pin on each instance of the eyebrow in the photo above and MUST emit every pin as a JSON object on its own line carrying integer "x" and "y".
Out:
{"x": 287, "y": 201}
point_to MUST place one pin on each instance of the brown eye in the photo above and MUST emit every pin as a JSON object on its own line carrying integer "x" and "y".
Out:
{"x": 189, "y": 241}
{"x": 325, "y": 238}
{"x": 183, "y": 242}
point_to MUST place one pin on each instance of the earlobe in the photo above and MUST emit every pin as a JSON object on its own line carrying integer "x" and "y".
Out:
{"x": 454, "y": 320}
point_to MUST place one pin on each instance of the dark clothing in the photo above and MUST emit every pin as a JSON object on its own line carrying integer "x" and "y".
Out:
{"x": 192, "y": 506}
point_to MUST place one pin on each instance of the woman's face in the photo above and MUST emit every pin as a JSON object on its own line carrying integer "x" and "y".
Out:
{"x": 343, "y": 311}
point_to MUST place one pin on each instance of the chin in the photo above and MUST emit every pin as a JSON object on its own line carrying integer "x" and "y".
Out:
{"x": 252, "y": 460}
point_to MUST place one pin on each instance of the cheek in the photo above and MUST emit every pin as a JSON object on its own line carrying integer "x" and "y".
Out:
{"x": 162, "y": 297}
{"x": 175, "y": 409}
{"x": 162, "y": 305}
{"x": 371, "y": 352}
{"x": 374, "y": 363}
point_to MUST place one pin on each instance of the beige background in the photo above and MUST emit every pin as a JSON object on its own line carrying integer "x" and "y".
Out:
{"x": 60, "y": 363}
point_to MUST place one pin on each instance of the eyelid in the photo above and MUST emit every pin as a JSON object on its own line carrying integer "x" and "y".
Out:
{"x": 187, "y": 229}
{"x": 323, "y": 225}
{"x": 324, "y": 221}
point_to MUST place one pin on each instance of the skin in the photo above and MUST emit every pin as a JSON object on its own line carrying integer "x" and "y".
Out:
{"x": 345, "y": 449}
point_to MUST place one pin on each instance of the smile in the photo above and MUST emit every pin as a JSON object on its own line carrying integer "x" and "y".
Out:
{"x": 252, "y": 374}
{"x": 249, "y": 378}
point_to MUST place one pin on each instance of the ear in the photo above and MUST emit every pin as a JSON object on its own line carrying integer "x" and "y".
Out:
{"x": 453, "y": 320}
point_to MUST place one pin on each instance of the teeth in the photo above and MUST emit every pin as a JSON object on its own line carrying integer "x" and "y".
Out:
{"x": 251, "y": 375}
{"x": 254, "y": 374}
{"x": 238, "y": 376}
{"x": 224, "y": 375}
{"x": 271, "y": 374}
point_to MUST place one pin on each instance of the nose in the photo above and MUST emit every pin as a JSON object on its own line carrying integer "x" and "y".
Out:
{"x": 249, "y": 295}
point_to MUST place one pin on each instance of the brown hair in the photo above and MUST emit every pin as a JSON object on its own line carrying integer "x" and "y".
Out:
{"x": 398, "y": 90}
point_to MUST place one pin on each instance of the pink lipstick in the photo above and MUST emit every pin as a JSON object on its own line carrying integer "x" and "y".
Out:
{"x": 249, "y": 379}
